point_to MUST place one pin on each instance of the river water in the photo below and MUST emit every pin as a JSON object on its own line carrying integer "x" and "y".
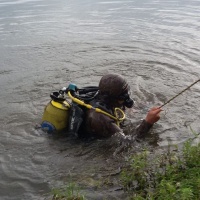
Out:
{"x": 46, "y": 44}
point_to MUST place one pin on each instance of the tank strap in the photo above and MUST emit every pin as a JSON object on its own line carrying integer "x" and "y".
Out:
{"x": 102, "y": 106}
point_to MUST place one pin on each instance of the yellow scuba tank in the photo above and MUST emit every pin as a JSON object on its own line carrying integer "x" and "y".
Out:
{"x": 55, "y": 116}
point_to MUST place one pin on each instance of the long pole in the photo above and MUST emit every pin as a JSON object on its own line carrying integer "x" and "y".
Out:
{"x": 180, "y": 93}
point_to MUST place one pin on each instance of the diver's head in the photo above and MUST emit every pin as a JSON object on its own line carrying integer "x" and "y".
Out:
{"x": 116, "y": 89}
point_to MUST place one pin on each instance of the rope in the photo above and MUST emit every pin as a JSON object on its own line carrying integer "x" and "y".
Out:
{"x": 179, "y": 93}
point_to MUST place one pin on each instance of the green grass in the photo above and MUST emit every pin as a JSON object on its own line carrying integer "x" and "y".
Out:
{"x": 69, "y": 192}
{"x": 169, "y": 176}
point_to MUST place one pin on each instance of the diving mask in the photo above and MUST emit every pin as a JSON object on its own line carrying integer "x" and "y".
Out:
{"x": 128, "y": 101}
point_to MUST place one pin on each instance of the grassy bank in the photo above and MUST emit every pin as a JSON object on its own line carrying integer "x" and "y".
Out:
{"x": 168, "y": 176}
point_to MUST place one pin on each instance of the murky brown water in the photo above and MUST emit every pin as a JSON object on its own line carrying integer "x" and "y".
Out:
{"x": 45, "y": 44}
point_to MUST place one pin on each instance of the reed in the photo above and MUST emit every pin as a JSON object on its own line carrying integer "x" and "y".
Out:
{"x": 69, "y": 192}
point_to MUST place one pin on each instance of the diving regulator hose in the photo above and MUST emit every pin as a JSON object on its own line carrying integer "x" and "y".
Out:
{"x": 117, "y": 110}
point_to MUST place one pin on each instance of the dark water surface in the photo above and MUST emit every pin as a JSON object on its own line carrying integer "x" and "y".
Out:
{"x": 45, "y": 44}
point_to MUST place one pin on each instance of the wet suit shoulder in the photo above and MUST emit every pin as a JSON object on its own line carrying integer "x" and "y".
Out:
{"x": 100, "y": 125}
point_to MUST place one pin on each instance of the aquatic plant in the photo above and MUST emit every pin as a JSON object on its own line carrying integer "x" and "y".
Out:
{"x": 69, "y": 192}
{"x": 172, "y": 175}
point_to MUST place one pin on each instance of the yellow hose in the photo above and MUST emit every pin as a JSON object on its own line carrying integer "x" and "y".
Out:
{"x": 116, "y": 118}
{"x": 122, "y": 113}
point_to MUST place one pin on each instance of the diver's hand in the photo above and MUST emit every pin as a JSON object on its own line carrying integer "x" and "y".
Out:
{"x": 153, "y": 115}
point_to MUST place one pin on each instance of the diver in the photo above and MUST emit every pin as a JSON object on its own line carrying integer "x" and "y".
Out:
{"x": 95, "y": 111}
{"x": 113, "y": 93}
